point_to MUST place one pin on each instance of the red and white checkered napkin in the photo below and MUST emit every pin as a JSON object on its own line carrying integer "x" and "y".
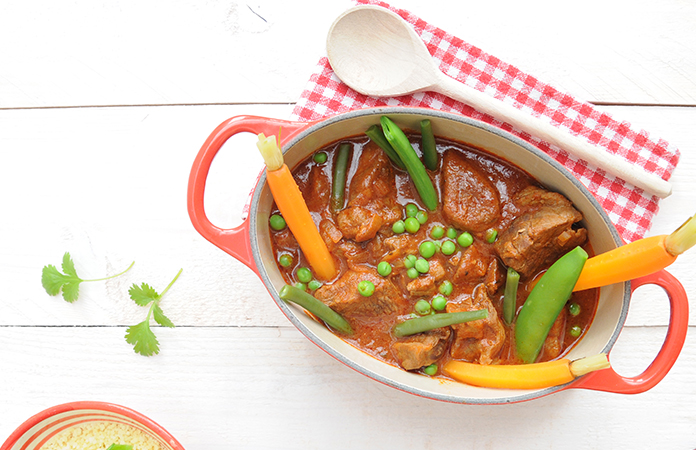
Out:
{"x": 631, "y": 210}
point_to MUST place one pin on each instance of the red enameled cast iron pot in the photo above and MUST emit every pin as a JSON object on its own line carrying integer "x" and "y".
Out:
{"x": 250, "y": 243}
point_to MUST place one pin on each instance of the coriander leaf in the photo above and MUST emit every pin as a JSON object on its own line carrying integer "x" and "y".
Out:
{"x": 142, "y": 338}
{"x": 71, "y": 290}
{"x": 160, "y": 318}
{"x": 143, "y": 294}
{"x": 52, "y": 280}
{"x": 120, "y": 447}
{"x": 69, "y": 265}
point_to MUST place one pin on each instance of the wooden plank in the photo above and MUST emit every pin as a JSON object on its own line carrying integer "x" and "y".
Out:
{"x": 269, "y": 388}
{"x": 81, "y": 53}
{"x": 115, "y": 193}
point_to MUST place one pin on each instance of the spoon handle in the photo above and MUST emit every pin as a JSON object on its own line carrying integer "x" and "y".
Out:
{"x": 575, "y": 145}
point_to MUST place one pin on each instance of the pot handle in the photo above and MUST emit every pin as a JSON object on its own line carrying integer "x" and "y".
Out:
{"x": 608, "y": 380}
{"x": 235, "y": 241}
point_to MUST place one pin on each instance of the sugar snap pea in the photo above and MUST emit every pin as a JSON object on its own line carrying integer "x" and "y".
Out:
{"x": 427, "y": 323}
{"x": 377, "y": 136}
{"x": 316, "y": 307}
{"x": 545, "y": 302}
{"x": 413, "y": 164}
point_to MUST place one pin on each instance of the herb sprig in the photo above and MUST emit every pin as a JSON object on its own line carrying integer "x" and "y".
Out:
{"x": 141, "y": 335}
{"x": 68, "y": 282}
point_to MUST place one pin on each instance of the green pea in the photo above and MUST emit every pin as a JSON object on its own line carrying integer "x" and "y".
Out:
{"x": 301, "y": 286}
{"x": 491, "y": 235}
{"x": 314, "y": 285}
{"x": 427, "y": 249}
{"x": 412, "y": 272}
{"x": 465, "y": 239}
{"x": 422, "y": 217}
{"x": 277, "y": 222}
{"x": 574, "y": 309}
{"x": 575, "y": 331}
{"x": 412, "y": 225}
{"x": 446, "y": 288}
{"x": 285, "y": 260}
{"x": 320, "y": 157}
{"x": 411, "y": 210}
{"x": 430, "y": 370}
{"x": 451, "y": 233}
{"x": 437, "y": 232}
{"x": 422, "y": 265}
{"x": 304, "y": 275}
{"x": 399, "y": 227}
{"x": 422, "y": 307}
{"x": 384, "y": 268}
{"x": 448, "y": 247}
{"x": 410, "y": 261}
{"x": 366, "y": 288}
{"x": 439, "y": 303}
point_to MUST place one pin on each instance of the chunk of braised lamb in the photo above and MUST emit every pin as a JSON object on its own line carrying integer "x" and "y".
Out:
{"x": 316, "y": 190}
{"x": 470, "y": 200}
{"x": 495, "y": 276}
{"x": 343, "y": 296}
{"x": 372, "y": 202}
{"x": 422, "y": 349}
{"x": 480, "y": 340}
{"x": 399, "y": 246}
{"x": 329, "y": 233}
{"x": 542, "y": 233}
{"x": 423, "y": 286}
{"x": 358, "y": 223}
{"x": 472, "y": 266}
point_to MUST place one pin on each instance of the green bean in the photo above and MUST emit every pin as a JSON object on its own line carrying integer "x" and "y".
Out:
{"x": 340, "y": 172}
{"x": 413, "y": 164}
{"x": 428, "y": 145}
{"x": 377, "y": 136}
{"x": 316, "y": 307}
{"x": 510, "y": 296}
{"x": 545, "y": 302}
{"x": 427, "y": 323}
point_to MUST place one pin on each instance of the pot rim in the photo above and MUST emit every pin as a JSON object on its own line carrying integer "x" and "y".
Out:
{"x": 399, "y": 110}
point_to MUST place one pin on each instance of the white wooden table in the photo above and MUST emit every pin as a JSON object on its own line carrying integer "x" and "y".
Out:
{"x": 103, "y": 106}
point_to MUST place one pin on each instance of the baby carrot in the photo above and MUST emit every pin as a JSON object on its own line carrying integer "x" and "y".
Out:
{"x": 637, "y": 259}
{"x": 525, "y": 376}
{"x": 294, "y": 209}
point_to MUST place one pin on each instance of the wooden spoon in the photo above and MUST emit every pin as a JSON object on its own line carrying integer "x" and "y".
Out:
{"x": 377, "y": 53}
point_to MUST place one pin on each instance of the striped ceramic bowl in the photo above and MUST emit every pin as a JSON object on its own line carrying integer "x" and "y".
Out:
{"x": 55, "y": 422}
